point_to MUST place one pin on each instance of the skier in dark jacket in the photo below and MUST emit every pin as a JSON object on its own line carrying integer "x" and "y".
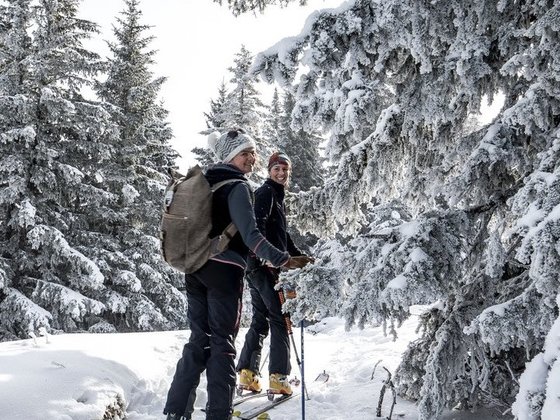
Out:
{"x": 214, "y": 291}
{"x": 261, "y": 279}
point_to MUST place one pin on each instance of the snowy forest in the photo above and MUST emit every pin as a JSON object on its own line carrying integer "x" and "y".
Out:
{"x": 399, "y": 191}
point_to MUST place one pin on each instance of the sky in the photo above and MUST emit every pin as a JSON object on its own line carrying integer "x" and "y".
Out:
{"x": 75, "y": 376}
{"x": 196, "y": 41}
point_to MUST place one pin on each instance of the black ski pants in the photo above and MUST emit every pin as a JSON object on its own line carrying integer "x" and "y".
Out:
{"x": 267, "y": 315}
{"x": 214, "y": 307}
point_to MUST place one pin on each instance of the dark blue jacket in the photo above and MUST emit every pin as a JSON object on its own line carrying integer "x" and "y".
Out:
{"x": 270, "y": 213}
{"x": 232, "y": 202}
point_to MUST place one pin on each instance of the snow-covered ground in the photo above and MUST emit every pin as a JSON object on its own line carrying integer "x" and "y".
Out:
{"x": 76, "y": 376}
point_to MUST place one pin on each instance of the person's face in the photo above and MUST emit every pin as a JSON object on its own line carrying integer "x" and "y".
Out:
{"x": 245, "y": 160}
{"x": 280, "y": 173}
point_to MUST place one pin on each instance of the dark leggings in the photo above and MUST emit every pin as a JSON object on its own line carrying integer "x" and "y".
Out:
{"x": 214, "y": 306}
{"x": 267, "y": 314}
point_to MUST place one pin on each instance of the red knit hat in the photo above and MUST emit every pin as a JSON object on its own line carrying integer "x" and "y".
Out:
{"x": 278, "y": 157}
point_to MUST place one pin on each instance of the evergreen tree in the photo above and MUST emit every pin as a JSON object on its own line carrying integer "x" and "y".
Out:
{"x": 238, "y": 7}
{"x": 272, "y": 122}
{"x": 204, "y": 156}
{"x": 215, "y": 118}
{"x": 52, "y": 142}
{"x": 244, "y": 107}
{"x": 303, "y": 150}
{"x": 302, "y": 147}
{"x": 464, "y": 221}
{"x": 142, "y": 288}
{"x": 240, "y": 106}
{"x": 215, "y": 121}
{"x": 15, "y": 46}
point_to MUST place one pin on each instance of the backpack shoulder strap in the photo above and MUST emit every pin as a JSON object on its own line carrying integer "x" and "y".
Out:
{"x": 220, "y": 184}
{"x": 230, "y": 230}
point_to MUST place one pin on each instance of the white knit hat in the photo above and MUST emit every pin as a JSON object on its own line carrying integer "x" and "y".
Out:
{"x": 227, "y": 145}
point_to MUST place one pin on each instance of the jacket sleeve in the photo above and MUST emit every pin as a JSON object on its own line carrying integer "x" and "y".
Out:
{"x": 242, "y": 215}
{"x": 293, "y": 250}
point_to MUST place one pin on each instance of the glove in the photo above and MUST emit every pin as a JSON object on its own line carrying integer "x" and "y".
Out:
{"x": 310, "y": 260}
{"x": 298, "y": 262}
{"x": 290, "y": 293}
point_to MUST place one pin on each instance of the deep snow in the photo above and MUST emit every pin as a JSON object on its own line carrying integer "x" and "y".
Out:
{"x": 76, "y": 376}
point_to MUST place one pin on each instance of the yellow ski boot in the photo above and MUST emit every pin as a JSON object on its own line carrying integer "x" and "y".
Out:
{"x": 279, "y": 384}
{"x": 249, "y": 381}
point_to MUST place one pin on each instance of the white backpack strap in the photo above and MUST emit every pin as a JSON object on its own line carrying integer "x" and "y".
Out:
{"x": 216, "y": 186}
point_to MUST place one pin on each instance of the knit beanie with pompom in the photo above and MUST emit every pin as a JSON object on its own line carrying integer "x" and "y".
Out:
{"x": 227, "y": 145}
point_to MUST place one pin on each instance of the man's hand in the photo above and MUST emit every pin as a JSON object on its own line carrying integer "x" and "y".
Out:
{"x": 298, "y": 262}
{"x": 310, "y": 260}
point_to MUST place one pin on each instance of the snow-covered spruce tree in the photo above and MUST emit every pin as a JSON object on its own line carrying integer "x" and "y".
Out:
{"x": 472, "y": 221}
{"x": 302, "y": 147}
{"x": 52, "y": 141}
{"x": 239, "y": 104}
{"x": 142, "y": 290}
{"x": 215, "y": 118}
{"x": 238, "y": 7}
{"x": 538, "y": 393}
{"x": 272, "y": 122}
{"x": 204, "y": 156}
{"x": 245, "y": 108}
{"x": 215, "y": 121}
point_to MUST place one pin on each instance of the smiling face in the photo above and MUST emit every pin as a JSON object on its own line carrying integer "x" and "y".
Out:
{"x": 245, "y": 160}
{"x": 280, "y": 173}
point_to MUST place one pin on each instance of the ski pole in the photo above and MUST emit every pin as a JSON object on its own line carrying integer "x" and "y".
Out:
{"x": 300, "y": 363}
{"x": 288, "y": 322}
{"x": 302, "y": 375}
{"x": 264, "y": 361}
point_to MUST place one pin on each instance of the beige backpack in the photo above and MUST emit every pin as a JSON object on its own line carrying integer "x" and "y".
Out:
{"x": 187, "y": 221}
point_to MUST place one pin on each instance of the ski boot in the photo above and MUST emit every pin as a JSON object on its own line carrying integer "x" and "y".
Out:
{"x": 173, "y": 416}
{"x": 278, "y": 384}
{"x": 248, "y": 381}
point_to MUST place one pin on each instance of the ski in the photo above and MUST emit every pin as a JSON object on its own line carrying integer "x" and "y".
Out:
{"x": 259, "y": 411}
{"x": 262, "y": 408}
{"x": 241, "y": 399}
